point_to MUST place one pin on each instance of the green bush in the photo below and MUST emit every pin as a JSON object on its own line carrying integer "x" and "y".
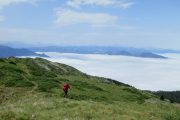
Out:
{"x": 7, "y": 115}
{"x": 13, "y": 63}
{"x": 45, "y": 85}
{"x": 162, "y": 98}
{"x": 18, "y": 83}
{"x": 2, "y": 60}
{"x": 11, "y": 69}
{"x": 50, "y": 74}
{"x": 17, "y": 80}
{"x": 79, "y": 84}
{"x": 173, "y": 116}
{"x": 1, "y": 74}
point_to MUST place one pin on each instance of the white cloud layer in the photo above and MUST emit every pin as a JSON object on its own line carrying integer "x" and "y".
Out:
{"x": 143, "y": 73}
{"x": 120, "y": 3}
{"x": 67, "y": 17}
{"x": 4, "y": 3}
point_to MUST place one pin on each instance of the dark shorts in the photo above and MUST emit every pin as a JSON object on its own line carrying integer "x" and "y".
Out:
{"x": 65, "y": 91}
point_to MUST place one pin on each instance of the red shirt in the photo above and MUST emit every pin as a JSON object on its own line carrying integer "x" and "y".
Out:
{"x": 66, "y": 86}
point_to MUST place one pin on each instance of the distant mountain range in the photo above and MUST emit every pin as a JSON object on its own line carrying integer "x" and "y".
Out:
{"x": 6, "y": 51}
{"x": 126, "y": 51}
{"x": 10, "y": 52}
{"x": 162, "y": 51}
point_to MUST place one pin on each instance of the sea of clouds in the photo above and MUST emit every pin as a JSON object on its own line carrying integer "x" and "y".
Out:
{"x": 142, "y": 73}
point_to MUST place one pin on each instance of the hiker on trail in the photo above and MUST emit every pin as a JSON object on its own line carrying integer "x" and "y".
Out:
{"x": 65, "y": 88}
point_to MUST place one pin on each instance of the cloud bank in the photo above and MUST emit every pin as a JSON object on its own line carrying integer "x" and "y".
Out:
{"x": 119, "y": 3}
{"x": 69, "y": 17}
{"x": 143, "y": 73}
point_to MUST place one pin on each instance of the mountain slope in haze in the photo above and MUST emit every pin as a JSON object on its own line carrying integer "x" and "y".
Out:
{"x": 9, "y": 52}
{"x": 173, "y": 96}
{"x": 135, "y": 52}
{"x": 163, "y": 51}
{"x": 41, "y": 46}
{"x": 32, "y": 89}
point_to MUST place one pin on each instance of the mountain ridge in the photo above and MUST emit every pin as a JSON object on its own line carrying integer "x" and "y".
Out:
{"x": 32, "y": 89}
{"x": 12, "y": 52}
{"x": 135, "y": 52}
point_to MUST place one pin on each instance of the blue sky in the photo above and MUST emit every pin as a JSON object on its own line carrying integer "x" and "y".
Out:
{"x": 137, "y": 23}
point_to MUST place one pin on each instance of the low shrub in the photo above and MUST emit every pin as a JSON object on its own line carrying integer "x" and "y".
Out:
{"x": 17, "y": 81}
{"x": 45, "y": 85}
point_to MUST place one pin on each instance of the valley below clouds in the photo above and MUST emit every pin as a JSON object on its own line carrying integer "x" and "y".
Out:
{"x": 142, "y": 73}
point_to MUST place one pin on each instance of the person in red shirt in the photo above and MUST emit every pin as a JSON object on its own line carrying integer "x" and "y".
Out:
{"x": 65, "y": 88}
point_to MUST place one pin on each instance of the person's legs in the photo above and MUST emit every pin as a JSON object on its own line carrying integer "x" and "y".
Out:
{"x": 65, "y": 93}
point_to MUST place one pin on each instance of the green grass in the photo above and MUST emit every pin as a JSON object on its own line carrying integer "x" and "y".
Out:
{"x": 45, "y": 106}
{"x": 31, "y": 89}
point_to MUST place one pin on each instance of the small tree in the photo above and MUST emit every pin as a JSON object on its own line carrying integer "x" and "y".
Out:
{"x": 172, "y": 101}
{"x": 162, "y": 98}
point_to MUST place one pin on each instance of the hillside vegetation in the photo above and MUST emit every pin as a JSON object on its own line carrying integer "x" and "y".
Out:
{"x": 31, "y": 89}
{"x": 173, "y": 96}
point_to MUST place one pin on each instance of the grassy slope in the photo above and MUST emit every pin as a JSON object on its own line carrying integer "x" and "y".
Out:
{"x": 31, "y": 89}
